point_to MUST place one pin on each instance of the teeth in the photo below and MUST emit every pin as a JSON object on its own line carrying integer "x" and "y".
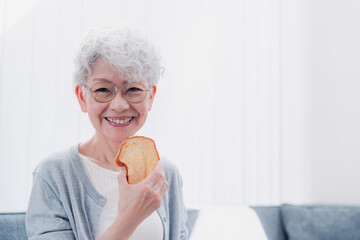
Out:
{"x": 122, "y": 121}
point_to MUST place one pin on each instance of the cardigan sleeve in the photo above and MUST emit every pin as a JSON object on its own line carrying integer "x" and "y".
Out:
{"x": 46, "y": 217}
{"x": 184, "y": 230}
{"x": 177, "y": 211}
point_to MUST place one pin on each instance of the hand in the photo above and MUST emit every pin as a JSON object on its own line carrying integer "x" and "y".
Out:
{"x": 137, "y": 202}
{"x": 140, "y": 200}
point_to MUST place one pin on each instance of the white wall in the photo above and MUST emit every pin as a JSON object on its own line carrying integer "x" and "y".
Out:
{"x": 210, "y": 117}
{"x": 258, "y": 104}
{"x": 321, "y": 101}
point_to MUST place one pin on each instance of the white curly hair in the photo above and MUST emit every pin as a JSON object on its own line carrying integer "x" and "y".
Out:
{"x": 131, "y": 54}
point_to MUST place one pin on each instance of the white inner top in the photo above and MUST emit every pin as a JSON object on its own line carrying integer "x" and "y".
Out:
{"x": 105, "y": 182}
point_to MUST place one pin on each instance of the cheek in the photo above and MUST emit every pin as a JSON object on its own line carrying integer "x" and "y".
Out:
{"x": 94, "y": 109}
{"x": 148, "y": 103}
{"x": 147, "y": 106}
{"x": 142, "y": 110}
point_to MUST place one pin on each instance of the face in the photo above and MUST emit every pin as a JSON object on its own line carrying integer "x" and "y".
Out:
{"x": 117, "y": 119}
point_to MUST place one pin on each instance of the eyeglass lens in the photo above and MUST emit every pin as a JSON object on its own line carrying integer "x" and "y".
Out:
{"x": 105, "y": 92}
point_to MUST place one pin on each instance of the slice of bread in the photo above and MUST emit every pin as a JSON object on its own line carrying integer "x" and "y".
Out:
{"x": 139, "y": 155}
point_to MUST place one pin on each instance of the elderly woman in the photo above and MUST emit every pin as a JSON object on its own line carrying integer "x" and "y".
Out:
{"x": 80, "y": 193}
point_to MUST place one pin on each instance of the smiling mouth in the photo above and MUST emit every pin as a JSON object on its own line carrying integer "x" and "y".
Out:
{"x": 121, "y": 121}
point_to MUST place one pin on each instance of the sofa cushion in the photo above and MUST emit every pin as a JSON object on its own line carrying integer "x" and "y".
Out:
{"x": 12, "y": 226}
{"x": 228, "y": 222}
{"x": 321, "y": 222}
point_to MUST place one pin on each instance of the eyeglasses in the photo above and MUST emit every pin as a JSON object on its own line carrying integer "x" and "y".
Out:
{"x": 104, "y": 92}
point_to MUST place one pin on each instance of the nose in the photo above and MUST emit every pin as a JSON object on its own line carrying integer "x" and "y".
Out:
{"x": 119, "y": 103}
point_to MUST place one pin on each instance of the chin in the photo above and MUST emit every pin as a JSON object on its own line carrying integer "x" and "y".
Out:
{"x": 119, "y": 138}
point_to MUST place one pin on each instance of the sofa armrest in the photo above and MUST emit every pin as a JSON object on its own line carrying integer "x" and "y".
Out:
{"x": 192, "y": 215}
{"x": 270, "y": 217}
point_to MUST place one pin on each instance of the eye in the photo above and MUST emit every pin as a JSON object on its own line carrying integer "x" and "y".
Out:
{"x": 134, "y": 89}
{"x": 105, "y": 90}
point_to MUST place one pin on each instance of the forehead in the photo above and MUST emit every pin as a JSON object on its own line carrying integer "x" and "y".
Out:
{"x": 104, "y": 71}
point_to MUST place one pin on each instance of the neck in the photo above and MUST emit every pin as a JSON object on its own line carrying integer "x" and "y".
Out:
{"x": 100, "y": 150}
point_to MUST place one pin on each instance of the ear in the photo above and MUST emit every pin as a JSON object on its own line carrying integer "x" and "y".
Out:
{"x": 80, "y": 97}
{"x": 152, "y": 97}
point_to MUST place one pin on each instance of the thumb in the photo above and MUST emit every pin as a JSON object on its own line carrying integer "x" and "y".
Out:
{"x": 122, "y": 177}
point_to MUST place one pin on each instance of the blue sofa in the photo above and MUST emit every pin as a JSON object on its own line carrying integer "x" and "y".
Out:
{"x": 310, "y": 222}
{"x": 293, "y": 222}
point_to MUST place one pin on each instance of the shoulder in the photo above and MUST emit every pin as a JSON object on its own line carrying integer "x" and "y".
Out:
{"x": 171, "y": 171}
{"x": 169, "y": 167}
{"x": 55, "y": 166}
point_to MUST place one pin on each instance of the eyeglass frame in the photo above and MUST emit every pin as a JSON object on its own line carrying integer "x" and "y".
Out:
{"x": 115, "y": 86}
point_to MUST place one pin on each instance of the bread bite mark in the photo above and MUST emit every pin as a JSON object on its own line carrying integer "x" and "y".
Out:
{"x": 139, "y": 155}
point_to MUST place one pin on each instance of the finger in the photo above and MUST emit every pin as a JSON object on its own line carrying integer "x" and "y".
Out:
{"x": 160, "y": 184}
{"x": 163, "y": 188}
{"x": 154, "y": 176}
{"x": 158, "y": 166}
{"x": 159, "y": 181}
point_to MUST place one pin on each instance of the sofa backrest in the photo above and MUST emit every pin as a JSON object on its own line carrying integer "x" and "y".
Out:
{"x": 330, "y": 222}
{"x": 279, "y": 222}
{"x": 12, "y": 226}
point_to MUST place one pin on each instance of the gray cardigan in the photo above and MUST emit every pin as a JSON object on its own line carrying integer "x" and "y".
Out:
{"x": 65, "y": 205}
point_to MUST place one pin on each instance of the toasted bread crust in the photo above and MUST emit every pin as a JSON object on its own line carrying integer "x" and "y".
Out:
{"x": 139, "y": 155}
